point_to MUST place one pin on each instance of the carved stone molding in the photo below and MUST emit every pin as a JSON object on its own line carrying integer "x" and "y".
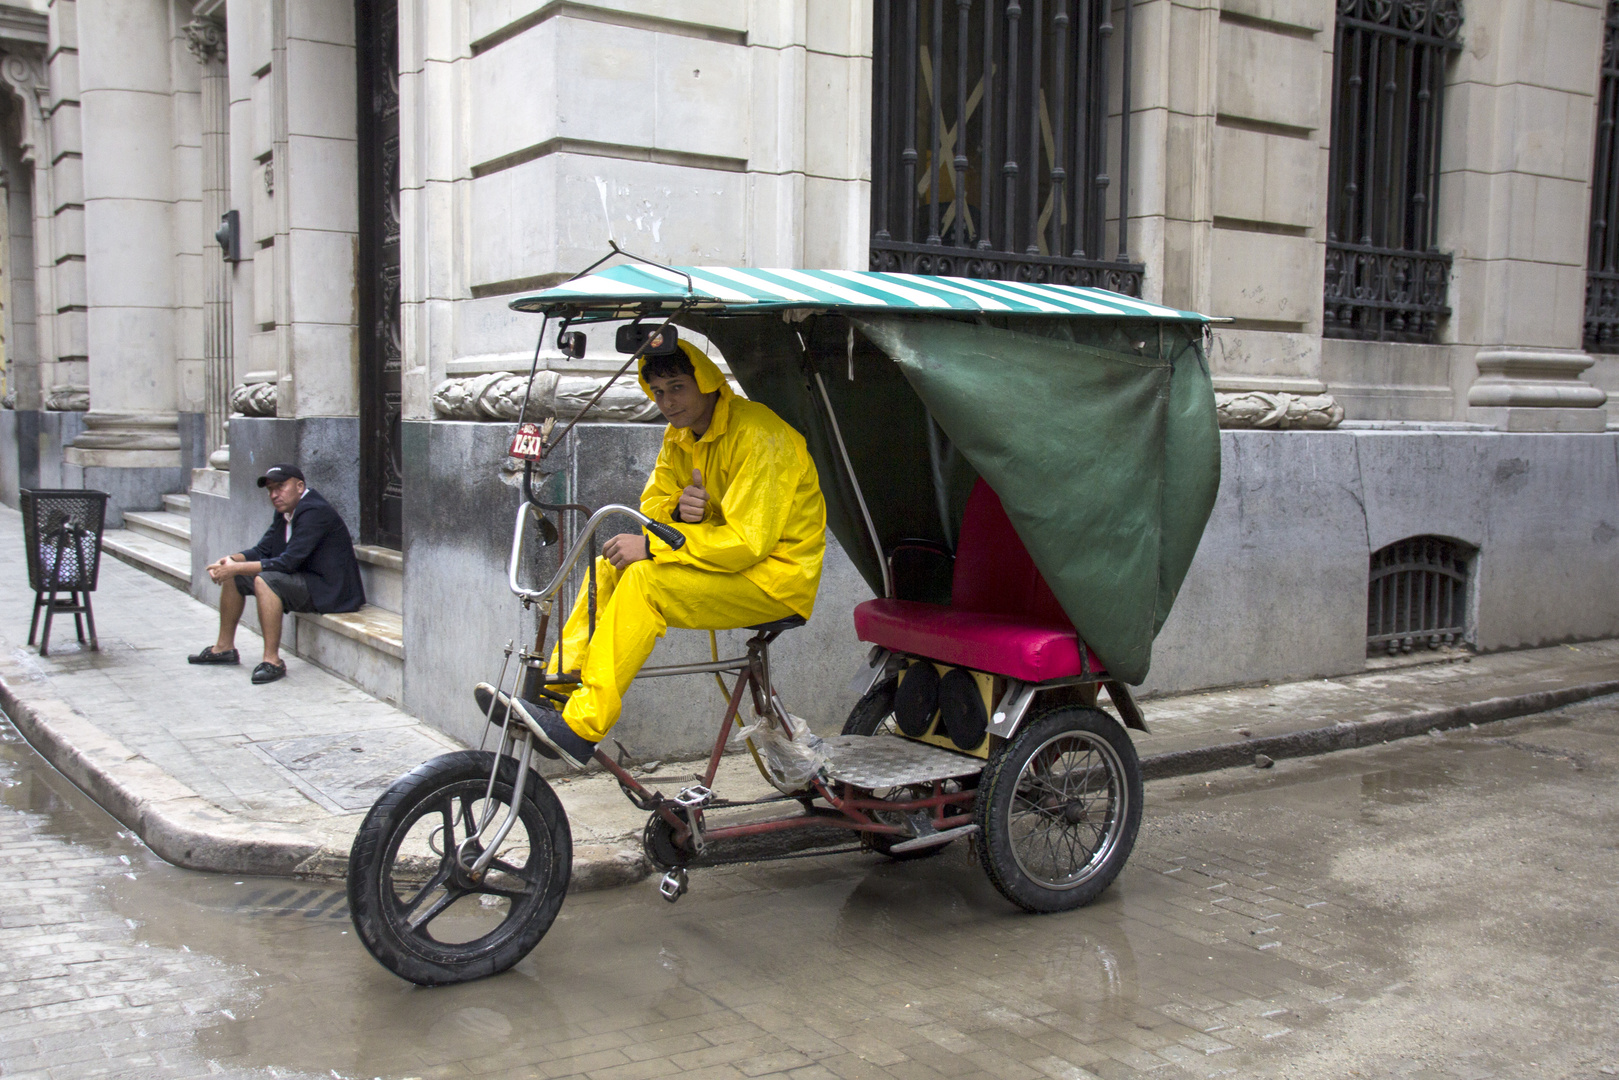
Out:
{"x": 253, "y": 399}
{"x": 24, "y": 75}
{"x": 129, "y": 431}
{"x": 1536, "y": 390}
{"x": 206, "y": 40}
{"x": 68, "y": 399}
{"x": 1266, "y": 409}
{"x": 499, "y": 397}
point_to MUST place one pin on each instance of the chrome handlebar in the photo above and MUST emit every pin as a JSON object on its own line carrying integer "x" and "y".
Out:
{"x": 668, "y": 535}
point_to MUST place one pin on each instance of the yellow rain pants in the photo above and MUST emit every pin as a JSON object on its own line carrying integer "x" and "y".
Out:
{"x": 755, "y": 557}
{"x": 633, "y": 609}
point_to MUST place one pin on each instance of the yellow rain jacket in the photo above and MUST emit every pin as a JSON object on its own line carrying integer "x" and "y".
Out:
{"x": 766, "y": 517}
{"x": 754, "y": 558}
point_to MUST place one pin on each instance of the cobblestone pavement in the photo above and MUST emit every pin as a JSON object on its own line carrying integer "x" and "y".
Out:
{"x": 1435, "y": 909}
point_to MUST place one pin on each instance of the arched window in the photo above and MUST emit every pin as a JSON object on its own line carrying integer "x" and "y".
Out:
{"x": 1417, "y": 595}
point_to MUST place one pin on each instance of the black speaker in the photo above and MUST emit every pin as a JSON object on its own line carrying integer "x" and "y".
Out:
{"x": 917, "y": 699}
{"x": 961, "y": 709}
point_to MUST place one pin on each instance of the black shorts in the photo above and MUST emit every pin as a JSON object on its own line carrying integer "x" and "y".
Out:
{"x": 293, "y": 589}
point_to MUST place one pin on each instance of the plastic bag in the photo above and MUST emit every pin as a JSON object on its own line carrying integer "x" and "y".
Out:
{"x": 791, "y": 761}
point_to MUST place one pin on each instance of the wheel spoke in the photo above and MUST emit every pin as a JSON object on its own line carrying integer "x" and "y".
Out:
{"x": 436, "y": 908}
{"x": 1065, "y": 809}
{"x": 439, "y": 877}
{"x": 510, "y": 894}
{"x": 507, "y": 868}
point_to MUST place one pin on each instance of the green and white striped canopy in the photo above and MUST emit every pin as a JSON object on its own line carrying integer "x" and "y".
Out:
{"x": 630, "y": 289}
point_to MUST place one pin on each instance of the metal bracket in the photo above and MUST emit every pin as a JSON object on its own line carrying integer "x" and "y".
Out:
{"x": 933, "y": 838}
{"x": 1012, "y": 707}
{"x": 871, "y": 672}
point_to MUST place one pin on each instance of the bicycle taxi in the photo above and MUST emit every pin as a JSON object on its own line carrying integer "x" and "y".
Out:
{"x": 1021, "y": 473}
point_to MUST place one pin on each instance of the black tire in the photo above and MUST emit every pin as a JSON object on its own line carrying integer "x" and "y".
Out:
{"x": 873, "y": 714}
{"x": 400, "y": 865}
{"x": 872, "y": 710}
{"x": 1058, "y": 809}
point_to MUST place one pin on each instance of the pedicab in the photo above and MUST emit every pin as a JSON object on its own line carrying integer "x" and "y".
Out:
{"x": 1021, "y": 473}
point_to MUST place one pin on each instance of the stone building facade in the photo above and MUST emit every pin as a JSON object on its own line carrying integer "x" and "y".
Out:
{"x": 240, "y": 231}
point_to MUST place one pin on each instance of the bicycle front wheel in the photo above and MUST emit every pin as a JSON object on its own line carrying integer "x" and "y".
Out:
{"x": 414, "y": 901}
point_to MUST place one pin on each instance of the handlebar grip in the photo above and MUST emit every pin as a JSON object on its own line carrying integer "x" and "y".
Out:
{"x": 673, "y": 537}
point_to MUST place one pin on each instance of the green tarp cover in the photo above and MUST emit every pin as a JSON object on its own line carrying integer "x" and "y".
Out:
{"x": 1098, "y": 434}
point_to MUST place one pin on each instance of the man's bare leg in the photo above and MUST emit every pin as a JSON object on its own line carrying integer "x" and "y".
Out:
{"x": 231, "y": 604}
{"x": 270, "y": 610}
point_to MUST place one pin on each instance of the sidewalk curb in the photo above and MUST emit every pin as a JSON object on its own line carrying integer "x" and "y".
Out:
{"x": 1374, "y": 729}
{"x": 174, "y": 821}
{"x": 187, "y": 830}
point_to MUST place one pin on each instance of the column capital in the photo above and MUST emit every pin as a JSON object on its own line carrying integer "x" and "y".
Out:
{"x": 23, "y": 74}
{"x": 206, "y": 40}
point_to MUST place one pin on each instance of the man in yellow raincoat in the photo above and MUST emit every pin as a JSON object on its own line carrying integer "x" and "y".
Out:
{"x": 739, "y": 482}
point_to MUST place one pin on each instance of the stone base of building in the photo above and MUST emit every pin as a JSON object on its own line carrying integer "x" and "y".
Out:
{"x": 31, "y": 445}
{"x": 134, "y": 479}
{"x": 1509, "y": 418}
{"x": 1278, "y": 589}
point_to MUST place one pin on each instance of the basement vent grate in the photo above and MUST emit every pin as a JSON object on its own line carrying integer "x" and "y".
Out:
{"x": 1417, "y": 595}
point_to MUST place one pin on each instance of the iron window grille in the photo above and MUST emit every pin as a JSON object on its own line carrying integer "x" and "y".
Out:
{"x": 1385, "y": 279}
{"x": 1602, "y": 260}
{"x": 1417, "y": 595}
{"x": 995, "y": 125}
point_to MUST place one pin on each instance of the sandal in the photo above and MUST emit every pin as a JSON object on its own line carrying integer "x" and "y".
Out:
{"x": 267, "y": 672}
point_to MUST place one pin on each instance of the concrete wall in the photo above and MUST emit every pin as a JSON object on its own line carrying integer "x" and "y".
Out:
{"x": 1277, "y": 591}
{"x": 1278, "y": 588}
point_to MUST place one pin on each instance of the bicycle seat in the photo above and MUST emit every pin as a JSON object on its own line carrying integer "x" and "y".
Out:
{"x": 791, "y": 622}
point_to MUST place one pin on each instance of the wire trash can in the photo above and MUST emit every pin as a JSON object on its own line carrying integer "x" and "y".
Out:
{"x": 62, "y": 532}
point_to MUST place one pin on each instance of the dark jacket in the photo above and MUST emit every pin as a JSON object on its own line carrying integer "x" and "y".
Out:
{"x": 320, "y": 549}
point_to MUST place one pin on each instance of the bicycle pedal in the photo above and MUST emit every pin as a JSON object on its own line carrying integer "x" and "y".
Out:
{"x": 674, "y": 883}
{"x": 694, "y": 797}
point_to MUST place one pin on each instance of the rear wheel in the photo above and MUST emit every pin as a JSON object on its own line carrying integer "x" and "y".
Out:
{"x": 415, "y": 903}
{"x": 873, "y": 714}
{"x": 1058, "y": 809}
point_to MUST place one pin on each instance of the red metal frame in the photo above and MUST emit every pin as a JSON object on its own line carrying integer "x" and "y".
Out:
{"x": 856, "y": 810}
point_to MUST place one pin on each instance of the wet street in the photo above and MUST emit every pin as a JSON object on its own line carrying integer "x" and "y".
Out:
{"x": 1442, "y": 907}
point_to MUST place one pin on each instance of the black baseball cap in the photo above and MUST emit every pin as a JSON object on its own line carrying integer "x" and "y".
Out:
{"x": 277, "y": 473}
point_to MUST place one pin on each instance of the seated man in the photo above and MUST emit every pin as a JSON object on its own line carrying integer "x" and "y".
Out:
{"x": 304, "y": 562}
{"x": 739, "y": 482}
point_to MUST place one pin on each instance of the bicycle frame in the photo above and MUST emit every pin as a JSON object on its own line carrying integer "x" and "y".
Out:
{"x": 849, "y": 807}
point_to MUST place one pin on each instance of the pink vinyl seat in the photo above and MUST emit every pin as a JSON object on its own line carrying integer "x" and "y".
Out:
{"x": 1002, "y": 617}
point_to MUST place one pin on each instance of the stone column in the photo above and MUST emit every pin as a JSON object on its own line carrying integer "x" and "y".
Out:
{"x": 131, "y": 442}
{"x": 206, "y": 40}
{"x": 1514, "y": 197}
{"x": 1232, "y": 124}
{"x": 24, "y": 388}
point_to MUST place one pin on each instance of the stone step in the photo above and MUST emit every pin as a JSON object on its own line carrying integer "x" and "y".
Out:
{"x": 383, "y": 572}
{"x": 161, "y": 559}
{"x": 160, "y": 525}
{"x": 366, "y": 647}
{"x": 178, "y": 504}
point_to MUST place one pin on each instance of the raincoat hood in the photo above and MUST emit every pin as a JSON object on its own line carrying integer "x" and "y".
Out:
{"x": 709, "y": 378}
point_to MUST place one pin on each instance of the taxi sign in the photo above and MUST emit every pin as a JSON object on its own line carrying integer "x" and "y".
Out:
{"x": 528, "y": 443}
